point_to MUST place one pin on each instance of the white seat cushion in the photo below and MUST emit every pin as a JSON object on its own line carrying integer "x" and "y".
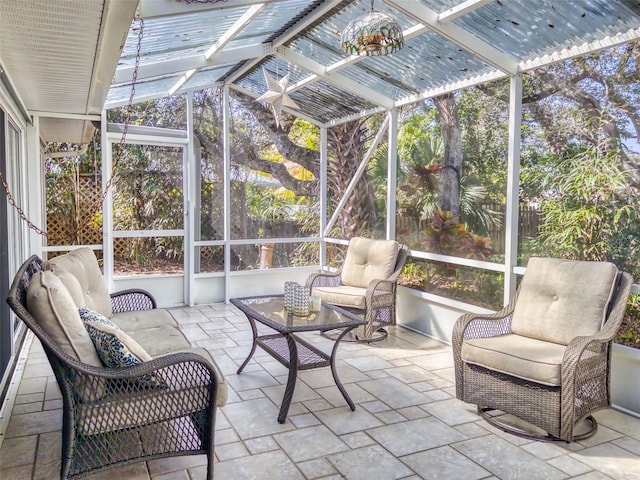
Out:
{"x": 343, "y": 295}
{"x": 522, "y": 357}
{"x": 135, "y": 320}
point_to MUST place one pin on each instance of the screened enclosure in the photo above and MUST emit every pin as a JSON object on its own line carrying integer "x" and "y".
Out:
{"x": 500, "y": 130}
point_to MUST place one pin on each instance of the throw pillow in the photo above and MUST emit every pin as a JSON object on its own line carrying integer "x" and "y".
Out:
{"x": 115, "y": 348}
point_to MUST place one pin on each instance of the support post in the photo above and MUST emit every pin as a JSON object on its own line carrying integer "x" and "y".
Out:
{"x": 324, "y": 162}
{"x": 226, "y": 121}
{"x": 392, "y": 169}
{"x": 190, "y": 200}
{"x": 107, "y": 205}
{"x": 513, "y": 187}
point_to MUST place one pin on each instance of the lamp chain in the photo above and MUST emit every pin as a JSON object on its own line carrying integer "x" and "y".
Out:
{"x": 5, "y": 185}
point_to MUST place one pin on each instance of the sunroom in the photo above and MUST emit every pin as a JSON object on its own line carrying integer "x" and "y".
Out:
{"x": 213, "y": 149}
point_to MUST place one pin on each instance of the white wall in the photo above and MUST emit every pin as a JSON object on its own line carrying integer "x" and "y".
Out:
{"x": 429, "y": 314}
{"x": 168, "y": 289}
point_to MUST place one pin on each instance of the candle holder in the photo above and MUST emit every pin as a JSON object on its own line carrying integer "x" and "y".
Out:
{"x": 289, "y": 294}
{"x": 301, "y": 300}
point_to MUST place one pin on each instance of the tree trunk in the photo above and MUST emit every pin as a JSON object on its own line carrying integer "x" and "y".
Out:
{"x": 451, "y": 173}
{"x": 347, "y": 142}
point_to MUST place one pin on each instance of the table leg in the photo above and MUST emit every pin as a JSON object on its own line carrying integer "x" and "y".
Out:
{"x": 253, "y": 346}
{"x": 334, "y": 372}
{"x": 291, "y": 380}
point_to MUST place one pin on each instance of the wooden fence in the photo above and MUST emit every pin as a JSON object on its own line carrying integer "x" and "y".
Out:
{"x": 529, "y": 222}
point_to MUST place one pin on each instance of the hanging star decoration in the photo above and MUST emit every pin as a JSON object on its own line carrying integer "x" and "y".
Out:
{"x": 276, "y": 94}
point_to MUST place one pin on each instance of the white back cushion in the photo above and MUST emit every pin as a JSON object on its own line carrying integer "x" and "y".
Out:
{"x": 368, "y": 260}
{"x": 562, "y": 299}
{"x": 79, "y": 271}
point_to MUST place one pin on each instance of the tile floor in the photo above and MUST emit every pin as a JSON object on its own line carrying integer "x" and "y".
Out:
{"x": 407, "y": 424}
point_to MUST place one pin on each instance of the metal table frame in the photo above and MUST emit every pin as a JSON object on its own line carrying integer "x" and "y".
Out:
{"x": 292, "y": 351}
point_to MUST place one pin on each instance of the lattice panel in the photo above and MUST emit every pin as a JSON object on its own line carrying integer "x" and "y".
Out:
{"x": 72, "y": 210}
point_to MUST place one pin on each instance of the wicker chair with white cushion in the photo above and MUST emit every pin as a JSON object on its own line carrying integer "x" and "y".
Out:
{"x": 544, "y": 358}
{"x": 366, "y": 283}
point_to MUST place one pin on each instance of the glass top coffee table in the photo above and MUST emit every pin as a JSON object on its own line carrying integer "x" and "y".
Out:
{"x": 291, "y": 350}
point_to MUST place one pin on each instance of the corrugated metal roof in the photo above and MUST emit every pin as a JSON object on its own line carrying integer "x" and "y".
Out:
{"x": 319, "y": 101}
{"x": 444, "y": 47}
{"x": 449, "y": 44}
{"x": 525, "y": 29}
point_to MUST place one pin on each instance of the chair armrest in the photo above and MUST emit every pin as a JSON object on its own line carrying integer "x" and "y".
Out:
{"x": 379, "y": 291}
{"x": 586, "y": 348}
{"x": 324, "y": 279}
{"x": 475, "y": 325}
{"x": 483, "y": 325}
{"x": 132, "y": 299}
{"x": 173, "y": 373}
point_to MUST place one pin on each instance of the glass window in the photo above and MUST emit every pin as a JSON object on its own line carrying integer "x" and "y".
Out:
{"x": 148, "y": 188}
{"x": 482, "y": 288}
{"x": 451, "y": 190}
{"x": 73, "y": 195}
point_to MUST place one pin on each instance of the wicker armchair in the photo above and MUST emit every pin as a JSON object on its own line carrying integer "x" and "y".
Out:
{"x": 544, "y": 358}
{"x": 115, "y": 416}
{"x": 366, "y": 283}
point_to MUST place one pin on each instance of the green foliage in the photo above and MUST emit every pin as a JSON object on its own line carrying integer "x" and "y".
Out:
{"x": 589, "y": 208}
{"x": 413, "y": 276}
{"x": 305, "y": 134}
{"x": 629, "y": 333}
{"x": 446, "y": 235}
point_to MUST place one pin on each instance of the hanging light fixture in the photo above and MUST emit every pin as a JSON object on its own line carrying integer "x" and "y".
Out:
{"x": 373, "y": 33}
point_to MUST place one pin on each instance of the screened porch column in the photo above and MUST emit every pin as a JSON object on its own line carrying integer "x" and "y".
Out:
{"x": 513, "y": 188}
{"x": 392, "y": 169}
{"x": 192, "y": 185}
{"x": 322, "y": 190}
{"x": 226, "y": 122}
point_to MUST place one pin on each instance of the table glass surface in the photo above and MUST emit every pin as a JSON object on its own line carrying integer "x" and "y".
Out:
{"x": 269, "y": 310}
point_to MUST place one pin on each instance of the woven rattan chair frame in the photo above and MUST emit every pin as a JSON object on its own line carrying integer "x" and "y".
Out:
{"x": 380, "y": 299}
{"x": 114, "y": 417}
{"x": 585, "y": 382}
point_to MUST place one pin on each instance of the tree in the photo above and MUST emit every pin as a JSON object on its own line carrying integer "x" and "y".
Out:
{"x": 590, "y": 214}
{"x": 347, "y": 143}
{"x": 451, "y": 173}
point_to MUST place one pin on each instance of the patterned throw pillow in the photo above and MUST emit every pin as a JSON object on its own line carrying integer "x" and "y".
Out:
{"x": 115, "y": 348}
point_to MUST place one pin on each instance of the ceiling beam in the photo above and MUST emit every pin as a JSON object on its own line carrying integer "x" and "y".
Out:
{"x": 116, "y": 20}
{"x": 237, "y": 27}
{"x": 461, "y": 9}
{"x": 451, "y": 87}
{"x": 575, "y": 50}
{"x": 288, "y": 35}
{"x": 162, "y": 8}
{"x": 457, "y": 35}
{"x": 227, "y": 56}
{"x": 234, "y": 30}
{"x": 355, "y": 116}
{"x": 408, "y": 34}
{"x": 337, "y": 79}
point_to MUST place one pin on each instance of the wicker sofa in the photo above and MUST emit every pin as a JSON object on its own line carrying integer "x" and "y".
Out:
{"x": 158, "y": 395}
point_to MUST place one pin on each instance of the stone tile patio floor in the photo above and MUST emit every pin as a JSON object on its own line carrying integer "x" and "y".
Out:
{"x": 407, "y": 424}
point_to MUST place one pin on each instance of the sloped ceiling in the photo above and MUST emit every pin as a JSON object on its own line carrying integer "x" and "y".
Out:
{"x": 59, "y": 57}
{"x": 449, "y": 45}
{"x": 67, "y": 59}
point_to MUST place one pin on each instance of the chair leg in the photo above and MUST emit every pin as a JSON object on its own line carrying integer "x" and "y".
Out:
{"x": 496, "y": 421}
